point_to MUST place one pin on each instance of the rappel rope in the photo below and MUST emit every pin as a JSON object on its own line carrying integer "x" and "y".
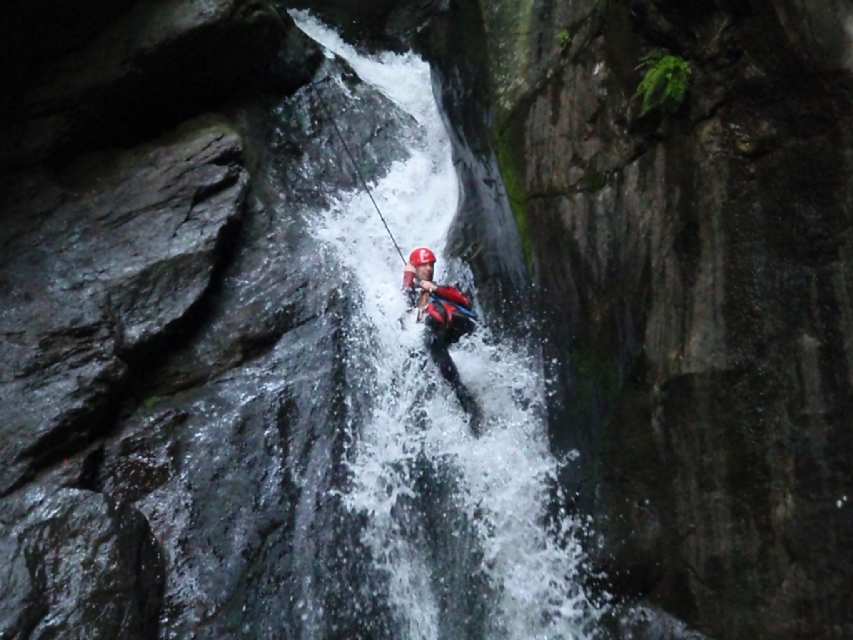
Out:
{"x": 466, "y": 312}
{"x": 355, "y": 166}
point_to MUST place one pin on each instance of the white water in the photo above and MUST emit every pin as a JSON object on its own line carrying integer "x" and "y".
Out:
{"x": 502, "y": 478}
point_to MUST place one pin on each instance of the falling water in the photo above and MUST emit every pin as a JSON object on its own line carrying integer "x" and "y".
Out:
{"x": 456, "y": 525}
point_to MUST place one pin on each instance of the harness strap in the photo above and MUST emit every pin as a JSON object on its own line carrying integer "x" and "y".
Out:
{"x": 464, "y": 311}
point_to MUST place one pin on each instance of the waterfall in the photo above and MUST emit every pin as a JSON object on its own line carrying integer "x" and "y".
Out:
{"x": 455, "y": 526}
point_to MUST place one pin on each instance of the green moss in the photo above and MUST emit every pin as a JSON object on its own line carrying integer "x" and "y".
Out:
{"x": 511, "y": 168}
{"x": 564, "y": 38}
{"x": 150, "y": 403}
{"x": 666, "y": 82}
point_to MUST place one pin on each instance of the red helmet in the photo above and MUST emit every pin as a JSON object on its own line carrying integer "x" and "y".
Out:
{"x": 422, "y": 256}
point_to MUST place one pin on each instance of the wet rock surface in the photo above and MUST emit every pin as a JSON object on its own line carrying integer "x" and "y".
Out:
{"x": 100, "y": 262}
{"x": 125, "y": 72}
{"x": 696, "y": 278}
{"x": 260, "y": 383}
{"x": 76, "y": 564}
{"x": 172, "y": 367}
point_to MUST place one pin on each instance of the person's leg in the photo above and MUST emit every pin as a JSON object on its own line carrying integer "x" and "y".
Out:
{"x": 471, "y": 407}
{"x": 436, "y": 340}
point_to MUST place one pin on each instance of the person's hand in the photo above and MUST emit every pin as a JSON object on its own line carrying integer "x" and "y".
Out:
{"x": 409, "y": 268}
{"x": 428, "y": 286}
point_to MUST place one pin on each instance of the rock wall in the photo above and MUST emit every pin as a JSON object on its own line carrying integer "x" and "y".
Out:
{"x": 132, "y": 199}
{"x": 120, "y": 74}
{"x": 695, "y": 271}
{"x": 171, "y": 339}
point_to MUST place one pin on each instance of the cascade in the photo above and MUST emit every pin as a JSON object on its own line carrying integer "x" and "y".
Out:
{"x": 454, "y": 526}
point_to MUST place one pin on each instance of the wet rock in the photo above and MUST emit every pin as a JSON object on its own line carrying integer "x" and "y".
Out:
{"x": 265, "y": 374}
{"x": 161, "y": 320}
{"x": 101, "y": 262}
{"x": 144, "y": 71}
{"x": 77, "y": 565}
{"x": 163, "y": 317}
{"x": 232, "y": 446}
{"x": 310, "y": 155}
{"x": 270, "y": 289}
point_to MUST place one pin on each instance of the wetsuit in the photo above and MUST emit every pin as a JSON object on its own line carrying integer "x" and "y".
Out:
{"x": 445, "y": 313}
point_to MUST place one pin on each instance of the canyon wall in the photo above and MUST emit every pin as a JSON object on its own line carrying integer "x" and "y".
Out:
{"x": 695, "y": 274}
{"x": 161, "y": 305}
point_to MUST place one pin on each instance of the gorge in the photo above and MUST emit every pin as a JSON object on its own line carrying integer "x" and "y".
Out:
{"x": 216, "y": 418}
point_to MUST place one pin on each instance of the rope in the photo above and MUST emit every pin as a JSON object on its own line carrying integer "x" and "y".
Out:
{"x": 355, "y": 166}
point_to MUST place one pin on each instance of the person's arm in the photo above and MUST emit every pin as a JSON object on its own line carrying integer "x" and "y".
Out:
{"x": 451, "y": 294}
{"x": 454, "y": 295}
{"x": 409, "y": 284}
{"x": 408, "y": 277}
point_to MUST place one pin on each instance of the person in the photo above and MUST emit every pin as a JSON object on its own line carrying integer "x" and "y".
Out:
{"x": 447, "y": 314}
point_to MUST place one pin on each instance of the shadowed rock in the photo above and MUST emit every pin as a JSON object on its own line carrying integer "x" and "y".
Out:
{"x": 141, "y": 72}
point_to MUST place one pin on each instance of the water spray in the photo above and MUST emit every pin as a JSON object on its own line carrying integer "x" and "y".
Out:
{"x": 355, "y": 165}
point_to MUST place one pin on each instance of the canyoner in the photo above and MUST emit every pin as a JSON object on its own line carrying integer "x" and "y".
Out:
{"x": 447, "y": 314}
{"x": 445, "y": 311}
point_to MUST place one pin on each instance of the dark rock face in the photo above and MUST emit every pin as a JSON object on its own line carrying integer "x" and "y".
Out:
{"x": 172, "y": 351}
{"x": 120, "y": 76}
{"x": 77, "y": 565}
{"x": 696, "y": 270}
{"x": 100, "y": 262}
{"x": 111, "y": 262}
